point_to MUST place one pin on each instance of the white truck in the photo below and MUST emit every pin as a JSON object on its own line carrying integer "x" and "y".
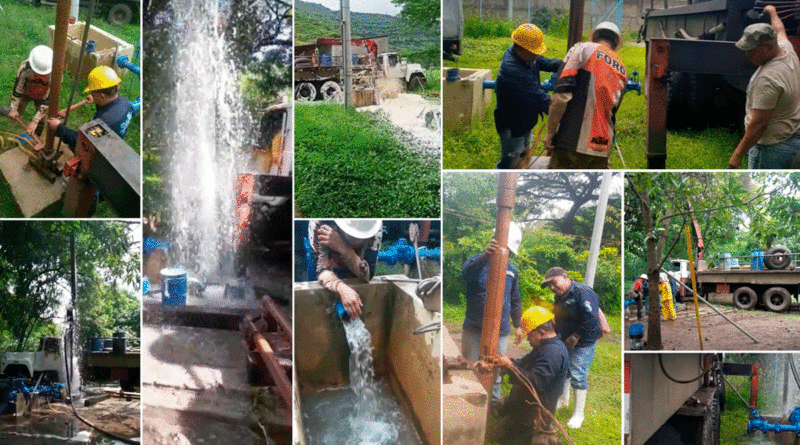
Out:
{"x": 412, "y": 75}
{"x": 47, "y": 360}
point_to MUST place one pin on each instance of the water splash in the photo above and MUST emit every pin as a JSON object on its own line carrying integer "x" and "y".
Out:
{"x": 205, "y": 134}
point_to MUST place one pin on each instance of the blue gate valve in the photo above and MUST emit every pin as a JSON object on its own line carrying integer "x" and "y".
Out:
{"x": 634, "y": 84}
{"x": 758, "y": 423}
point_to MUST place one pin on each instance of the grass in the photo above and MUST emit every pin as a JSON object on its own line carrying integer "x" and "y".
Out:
{"x": 351, "y": 165}
{"x": 24, "y": 27}
{"x": 478, "y": 147}
{"x": 602, "y": 424}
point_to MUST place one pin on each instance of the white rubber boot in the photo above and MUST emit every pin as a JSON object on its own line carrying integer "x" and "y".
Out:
{"x": 563, "y": 400}
{"x": 580, "y": 403}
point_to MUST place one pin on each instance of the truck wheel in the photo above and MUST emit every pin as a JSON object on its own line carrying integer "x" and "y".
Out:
{"x": 305, "y": 92}
{"x": 120, "y": 14}
{"x": 778, "y": 258}
{"x": 711, "y": 423}
{"x": 744, "y": 298}
{"x": 416, "y": 82}
{"x": 777, "y": 299}
{"x": 331, "y": 91}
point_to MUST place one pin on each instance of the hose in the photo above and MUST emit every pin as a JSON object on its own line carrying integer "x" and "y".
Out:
{"x": 661, "y": 363}
{"x": 537, "y": 401}
{"x": 72, "y": 404}
{"x": 794, "y": 371}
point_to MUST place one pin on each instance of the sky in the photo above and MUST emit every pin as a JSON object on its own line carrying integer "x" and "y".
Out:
{"x": 374, "y": 6}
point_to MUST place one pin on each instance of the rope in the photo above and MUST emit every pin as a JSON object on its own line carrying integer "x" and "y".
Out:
{"x": 666, "y": 374}
{"x": 537, "y": 401}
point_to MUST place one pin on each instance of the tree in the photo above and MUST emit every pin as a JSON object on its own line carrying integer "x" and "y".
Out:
{"x": 538, "y": 192}
{"x": 36, "y": 260}
{"x": 420, "y": 12}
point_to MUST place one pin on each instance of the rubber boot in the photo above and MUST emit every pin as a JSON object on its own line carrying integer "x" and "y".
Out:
{"x": 580, "y": 403}
{"x": 563, "y": 400}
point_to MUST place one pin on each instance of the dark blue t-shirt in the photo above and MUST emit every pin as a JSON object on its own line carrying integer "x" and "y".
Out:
{"x": 475, "y": 272}
{"x": 117, "y": 114}
{"x": 578, "y": 310}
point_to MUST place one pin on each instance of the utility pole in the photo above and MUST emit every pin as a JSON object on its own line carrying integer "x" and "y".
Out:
{"x": 347, "y": 60}
{"x": 597, "y": 232}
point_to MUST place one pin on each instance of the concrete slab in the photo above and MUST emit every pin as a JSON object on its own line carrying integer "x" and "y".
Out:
{"x": 465, "y": 405}
{"x": 34, "y": 194}
{"x": 166, "y": 426}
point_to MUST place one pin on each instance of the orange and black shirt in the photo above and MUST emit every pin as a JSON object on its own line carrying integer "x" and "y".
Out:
{"x": 596, "y": 77}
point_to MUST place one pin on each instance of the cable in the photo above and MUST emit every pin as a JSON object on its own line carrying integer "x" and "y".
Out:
{"x": 661, "y": 363}
{"x": 537, "y": 401}
{"x": 794, "y": 371}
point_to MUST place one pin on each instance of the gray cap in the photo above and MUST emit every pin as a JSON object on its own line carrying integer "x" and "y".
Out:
{"x": 755, "y": 35}
{"x": 552, "y": 273}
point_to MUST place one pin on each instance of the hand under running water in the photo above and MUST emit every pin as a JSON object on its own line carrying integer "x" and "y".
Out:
{"x": 350, "y": 299}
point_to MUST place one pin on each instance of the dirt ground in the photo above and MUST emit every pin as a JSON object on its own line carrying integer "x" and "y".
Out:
{"x": 774, "y": 331}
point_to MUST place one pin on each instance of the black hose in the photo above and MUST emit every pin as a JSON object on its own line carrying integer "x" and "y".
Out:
{"x": 794, "y": 371}
{"x": 661, "y": 363}
{"x": 72, "y": 402}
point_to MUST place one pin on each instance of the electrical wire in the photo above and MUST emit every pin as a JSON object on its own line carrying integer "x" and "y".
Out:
{"x": 661, "y": 363}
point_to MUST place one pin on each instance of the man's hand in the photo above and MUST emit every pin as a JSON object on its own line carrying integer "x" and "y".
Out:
{"x": 504, "y": 361}
{"x": 492, "y": 248}
{"x": 519, "y": 335}
{"x": 350, "y": 299}
{"x": 31, "y": 128}
{"x": 53, "y": 123}
{"x": 89, "y": 99}
{"x": 548, "y": 143}
{"x": 13, "y": 114}
{"x": 571, "y": 341}
{"x": 330, "y": 238}
{"x": 736, "y": 160}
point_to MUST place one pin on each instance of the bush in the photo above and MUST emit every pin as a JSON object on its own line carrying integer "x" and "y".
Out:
{"x": 493, "y": 27}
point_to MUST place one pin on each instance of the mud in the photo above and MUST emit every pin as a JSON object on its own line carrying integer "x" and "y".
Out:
{"x": 774, "y": 332}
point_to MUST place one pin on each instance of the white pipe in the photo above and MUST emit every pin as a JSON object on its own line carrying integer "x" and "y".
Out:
{"x": 347, "y": 62}
{"x": 597, "y": 231}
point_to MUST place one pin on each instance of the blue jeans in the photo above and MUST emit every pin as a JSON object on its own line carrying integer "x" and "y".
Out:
{"x": 580, "y": 359}
{"x": 774, "y": 156}
{"x": 470, "y": 349}
{"x": 512, "y": 148}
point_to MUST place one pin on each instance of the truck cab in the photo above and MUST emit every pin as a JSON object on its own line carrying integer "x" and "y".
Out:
{"x": 679, "y": 269}
{"x": 412, "y": 74}
{"x": 48, "y": 359}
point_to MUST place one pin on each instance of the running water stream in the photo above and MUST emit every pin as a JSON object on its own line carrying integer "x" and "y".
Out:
{"x": 365, "y": 413}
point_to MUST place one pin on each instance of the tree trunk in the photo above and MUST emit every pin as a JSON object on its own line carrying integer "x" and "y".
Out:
{"x": 654, "y": 299}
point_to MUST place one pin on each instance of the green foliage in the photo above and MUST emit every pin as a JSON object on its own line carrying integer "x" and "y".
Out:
{"x": 351, "y": 164}
{"x": 420, "y": 12}
{"x": 262, "y": 84}
{"x": 476, "y": 28}
{"x": 24, "y": 27}
{"x": 559, "y": 25}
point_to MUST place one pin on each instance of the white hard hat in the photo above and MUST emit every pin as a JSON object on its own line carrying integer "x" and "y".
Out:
{"x": 514, "y": 238}
{"x": 41, "y": 60}
{"x": 360, "y": 228}
{"x": 608, "y": 26}
{"x": 643, "y": 276}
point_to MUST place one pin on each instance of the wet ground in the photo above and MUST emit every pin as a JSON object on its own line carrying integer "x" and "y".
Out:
{"x": 774, "y": 331}
{"x": 419, "y": 118}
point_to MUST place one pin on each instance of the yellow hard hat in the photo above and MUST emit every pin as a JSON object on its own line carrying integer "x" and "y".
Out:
{"x": 530, "y": 37}
{"x": 101, "y": 78}
{"x": 535, "y": 317}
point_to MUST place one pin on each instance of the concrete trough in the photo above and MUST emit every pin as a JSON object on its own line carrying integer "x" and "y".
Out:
{"x": 409, "y": 362}
{"x": 465, "y": 99}
{"x": 107, "y": 48}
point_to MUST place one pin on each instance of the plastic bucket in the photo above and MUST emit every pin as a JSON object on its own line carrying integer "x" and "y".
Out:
{"x": 325, "y": 59}
{"x": 173, "y": 288}
{"x": 453, "y": 74}
{"x": 96, "y": 344}
{"x": 757, "y": 260}
{"x": 145, "y": 286}
{"x": 724, "y": 261}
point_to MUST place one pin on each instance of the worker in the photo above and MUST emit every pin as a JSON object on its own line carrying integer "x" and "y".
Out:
{"x": 32, "y": 84}
{"x": 546, "y": 366}
{"x": 667, "y": 307}
{"x": 772, "y": 110}
{"x": 581, "y": 120}
{"x": 475, "y": 273}
{"x": 641, "y": 290}
{"x": 673, "y": 284}
{"x": 346, "y": 248}
{"x": 577, "y": 317}
{"x": 112, "y": 108}
{"x": 520, "y": 96}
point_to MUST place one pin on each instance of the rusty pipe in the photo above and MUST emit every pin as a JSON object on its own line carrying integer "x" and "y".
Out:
{"x": 59, "y": 52}
{"x": 63, "y": 113}
{"x": 495, "y": 289}
{"x": 575, "y": 31}
{"x": 276, "y": 371}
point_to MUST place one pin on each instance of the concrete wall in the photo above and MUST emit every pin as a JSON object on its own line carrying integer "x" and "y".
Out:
{"x": 632, "y": 10}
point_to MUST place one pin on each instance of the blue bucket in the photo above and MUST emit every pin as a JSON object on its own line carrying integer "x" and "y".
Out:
{"x": 173, "y": 288}
{"x": 453, "y": 74}
{"x": 325, "y": 59}
{"x": 96, "y": 345}
{"x": 636, "y": 330}
{"x": 757, "y": 260}
{"x": 724, "y": 261}
{"x": 145, "y": 286}
{"x": 355, "y": 60}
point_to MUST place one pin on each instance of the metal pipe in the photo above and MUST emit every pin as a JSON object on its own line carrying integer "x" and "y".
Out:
{"x": 495, "y": 289}
{"x": 59, "y": 52}
{"x": 597, "y": 231}
{"x": 714, "y": 308}
{"x": 575, "y": 33}
{"x": 347, "y": 65}
{"x": 276, "y": 371}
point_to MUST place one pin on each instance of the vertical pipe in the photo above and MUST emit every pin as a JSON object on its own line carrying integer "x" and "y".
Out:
{"x": 575, "y": 34}
{"x": 597, "y": 231}
{"x": 480, "y": 10}
{"x": 657, "y": 66}
{"x": 511, "y": 10}
{"x": 495, "y": 289}
{"x": 619, "y": 13}
{"x": 754, "y": 372}
{"x": 347, "y": 63}
{"x": 59, "y": 51}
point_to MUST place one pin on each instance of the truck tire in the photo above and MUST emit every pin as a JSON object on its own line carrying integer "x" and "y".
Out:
{"x": 416, "y": 82}
{"x": 777, "y": 299}
{"x": 744, "y": 298}
{"x": 305, "y": 92}
{"x": 711, "y": 423}
{"x": 120, "y": 14}
{"x": 778, "y": 258}
{"x": 331, "y": 91}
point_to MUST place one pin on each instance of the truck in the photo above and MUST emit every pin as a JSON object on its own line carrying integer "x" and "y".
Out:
{"x": 677, "y": 399}
{"x": 452, "y": 28}
{"x": 318, "y": 69}
{"x": 46, "y": 361}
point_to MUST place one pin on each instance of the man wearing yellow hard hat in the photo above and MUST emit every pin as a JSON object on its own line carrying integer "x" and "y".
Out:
{"x": 547, "y": 368}
{"x": 520, "y": 97}
{"x": 112, "y": 108}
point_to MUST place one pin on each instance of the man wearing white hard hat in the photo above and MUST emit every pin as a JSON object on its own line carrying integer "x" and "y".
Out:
{"x": 32, "y": 85}
{"x": 475, "y": 273}
{"x": 346, "y": 248}
{"x": 581, "y": 120}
